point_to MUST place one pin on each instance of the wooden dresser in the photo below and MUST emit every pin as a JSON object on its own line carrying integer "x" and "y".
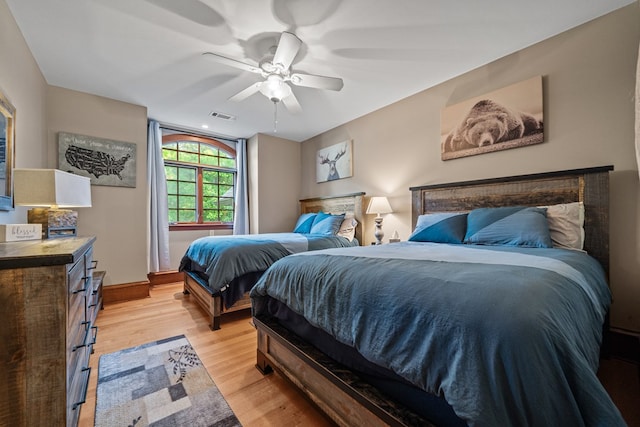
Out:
{"x": 46, "y": 331}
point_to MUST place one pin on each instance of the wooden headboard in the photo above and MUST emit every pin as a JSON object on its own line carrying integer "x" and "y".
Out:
{"x": 590, "y": 186}
{"x": 350, "y": 204}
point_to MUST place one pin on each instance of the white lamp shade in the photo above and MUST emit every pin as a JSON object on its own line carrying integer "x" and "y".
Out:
{"x": 379, "y": 205}
{"x": 51, "y": 188}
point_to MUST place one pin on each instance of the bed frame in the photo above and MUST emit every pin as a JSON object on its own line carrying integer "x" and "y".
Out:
{"x": 351, "y": 204}
{"x": 339, "y": 393}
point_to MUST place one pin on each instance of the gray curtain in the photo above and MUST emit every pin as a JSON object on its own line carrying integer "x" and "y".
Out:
{"x": 241, "y": 212}
{"x": 158, "y": 236}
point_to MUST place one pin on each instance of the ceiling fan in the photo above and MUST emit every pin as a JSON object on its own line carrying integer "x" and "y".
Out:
{"x": 275, "y": 69}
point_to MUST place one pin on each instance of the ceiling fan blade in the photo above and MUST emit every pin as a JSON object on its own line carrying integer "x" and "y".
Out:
{"x": 287, "y": 50}
{"x": 318, "y": 82}
{"x": 245, "y": 93}
{"x": 232, "y": 62}
{"x": 292, "y": 104}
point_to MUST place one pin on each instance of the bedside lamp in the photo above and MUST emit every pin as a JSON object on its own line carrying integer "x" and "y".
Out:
{"x": 49, "y": 190}
{"x": 379, "y": 206}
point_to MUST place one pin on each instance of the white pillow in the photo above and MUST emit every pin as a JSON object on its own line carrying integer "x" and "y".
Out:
{"x": 348, "y": 228}
{"x": 566, "y": 225}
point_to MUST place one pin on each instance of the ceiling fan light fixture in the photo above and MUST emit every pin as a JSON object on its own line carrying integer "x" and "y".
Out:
{"x": 275, "y": 88}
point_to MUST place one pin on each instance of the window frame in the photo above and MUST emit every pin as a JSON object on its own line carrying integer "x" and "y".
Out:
{"x": 181, "y": 137}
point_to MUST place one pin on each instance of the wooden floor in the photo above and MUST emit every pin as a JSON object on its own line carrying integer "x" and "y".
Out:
{"x": 229, "y": 356}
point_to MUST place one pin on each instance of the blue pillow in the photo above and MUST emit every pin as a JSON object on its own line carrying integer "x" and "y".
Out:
{"x": 326, "y": 224}
{"x": 304, "y": 223}
{"x": 510, "y": 226}
{"x": 442, "y": 227}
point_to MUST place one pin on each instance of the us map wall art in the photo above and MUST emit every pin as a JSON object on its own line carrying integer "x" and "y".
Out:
{"x": 104, "y": 161}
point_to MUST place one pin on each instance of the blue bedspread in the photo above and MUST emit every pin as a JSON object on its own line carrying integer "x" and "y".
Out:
{"x": 508, "y": 336}
{"x": 224, "y": 258}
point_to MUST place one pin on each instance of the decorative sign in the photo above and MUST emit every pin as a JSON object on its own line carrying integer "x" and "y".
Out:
{"x": 20, "y": 232}
{"x": 104, "y": 161}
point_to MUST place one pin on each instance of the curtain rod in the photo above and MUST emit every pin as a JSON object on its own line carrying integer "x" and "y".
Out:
{"x": 178, "y": 128}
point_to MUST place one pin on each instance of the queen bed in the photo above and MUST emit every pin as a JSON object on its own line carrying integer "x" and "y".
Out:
{"x": 491, "y": 314}
{"x": 219, "y": 271}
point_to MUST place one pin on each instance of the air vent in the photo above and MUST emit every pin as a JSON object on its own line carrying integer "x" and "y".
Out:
{"x": 222, "y": 116}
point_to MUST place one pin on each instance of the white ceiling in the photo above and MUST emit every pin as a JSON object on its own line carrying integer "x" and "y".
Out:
{"x": 149, "y": 52}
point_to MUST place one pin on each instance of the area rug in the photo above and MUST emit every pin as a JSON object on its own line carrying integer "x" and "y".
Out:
{"x": 161, "y": 383}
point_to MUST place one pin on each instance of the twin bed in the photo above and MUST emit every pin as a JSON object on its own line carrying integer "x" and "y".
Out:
{"x": 221, "y": 270}
{"x": 483, "y": 318}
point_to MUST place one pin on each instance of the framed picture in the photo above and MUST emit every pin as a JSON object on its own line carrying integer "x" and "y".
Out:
{"x": 104, "y": 161}
{"x": 334, "y": 162}
{"x": 510, "y": 117}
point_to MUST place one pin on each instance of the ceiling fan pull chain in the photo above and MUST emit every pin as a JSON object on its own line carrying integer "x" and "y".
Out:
{"x": 275, "y": 116}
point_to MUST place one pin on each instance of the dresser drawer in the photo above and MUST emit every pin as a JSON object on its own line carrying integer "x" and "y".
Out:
{"x": 77, "y": 394}
{"x": 79, "y": 289}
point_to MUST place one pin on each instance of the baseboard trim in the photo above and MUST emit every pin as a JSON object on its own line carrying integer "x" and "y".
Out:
{"x": 164, "y": 277}
{"x": 625, "y": 346}
{"x": 125, "y": 292}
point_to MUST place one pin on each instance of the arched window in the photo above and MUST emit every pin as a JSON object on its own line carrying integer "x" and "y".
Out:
{"x": 201, "y": 177}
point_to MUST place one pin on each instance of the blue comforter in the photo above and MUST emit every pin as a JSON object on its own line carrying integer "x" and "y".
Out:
{"x": 224, "y": 258}
{"x": 508, "y": 336}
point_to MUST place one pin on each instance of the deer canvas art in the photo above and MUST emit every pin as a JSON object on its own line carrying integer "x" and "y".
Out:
{"x": 334, "y": 162}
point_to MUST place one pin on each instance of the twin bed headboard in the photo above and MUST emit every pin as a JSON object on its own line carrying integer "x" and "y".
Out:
{"x": 351, "y": 204}
{"x": 590, "y": 186}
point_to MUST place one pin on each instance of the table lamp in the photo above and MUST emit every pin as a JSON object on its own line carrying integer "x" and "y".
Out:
{"x": 379, "y": 206}
{"x": 49, "y": 191}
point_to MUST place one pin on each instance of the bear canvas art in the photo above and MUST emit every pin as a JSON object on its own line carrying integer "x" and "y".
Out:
{"x": 507, "y": 118}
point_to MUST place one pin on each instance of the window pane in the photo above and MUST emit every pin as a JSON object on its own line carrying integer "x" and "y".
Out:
{"x": 210, "y": 203}
{"x": 188, "y": 157}
{"x": 187, "y": 174}
{"x": 228, "y": 163}
{"x": 226, "y": 216}
{"x": 208, "y": 150}
{"x": 172, "y": 202}
{"x": 186, "y": 215}
{"x": 171, "y": 172}
{"x": 210, "y": 176}
{"x": 209, "y": 190}
{"x": 209, "y": 160}
{"x": 173, "y": 215}
{"x": 211, "y": 216}
{"x": 226, "y": 178}
{"x": 187, "y": 202}
{"x": 192, "y": 147}
{"x": 187, "y": 188}
{"x": 226, "y": 191}
{"x": 169, "y": 154}
{"x": 172, "y": 187}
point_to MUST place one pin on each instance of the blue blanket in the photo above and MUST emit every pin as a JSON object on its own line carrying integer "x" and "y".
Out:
{"x": 508, "y": 336}
{"x": 225, "y": 258}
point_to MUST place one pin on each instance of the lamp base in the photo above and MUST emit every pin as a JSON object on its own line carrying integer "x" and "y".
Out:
{"x": 55, "y": 222}
{"x": 378, "y": 233}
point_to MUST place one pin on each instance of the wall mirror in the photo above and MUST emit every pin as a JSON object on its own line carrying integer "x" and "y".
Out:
{"x": 7, "y": 139}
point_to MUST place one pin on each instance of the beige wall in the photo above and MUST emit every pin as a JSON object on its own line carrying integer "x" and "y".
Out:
{"x": 23, "y": 84}
{"x": 274, "y": 183}
{"x": 588, "y": 85}
{"x": 118, "y": 214}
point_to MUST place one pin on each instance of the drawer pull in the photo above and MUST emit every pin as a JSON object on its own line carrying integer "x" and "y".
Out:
{"x": 79, "y": 291}
{"x": 85, "y": 389}
{"x": 95, "y": 334}
{"x": 94, "y": 264}
{"x": 84, "y": 340}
